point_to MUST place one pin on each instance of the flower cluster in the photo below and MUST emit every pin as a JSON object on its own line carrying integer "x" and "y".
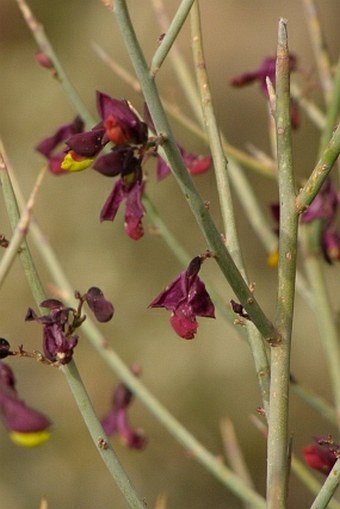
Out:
{"x": 267, "y": 69}
{"x": 127, "y": 136}
{"x": 186, "y": 298}
{"x": 26, "y": 426}
{"x": 116, "y": 421}
{"x": 60, "y": 323}
{"x": 322, "y": 455}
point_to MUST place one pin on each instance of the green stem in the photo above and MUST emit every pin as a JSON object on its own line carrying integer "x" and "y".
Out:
{"x": 328, "y": 489}
{"x": 20, "y": 231}
{"x": 278, "y": 439}
{"x": 70, "y": 371}
{"x": 225, "y": 197}
{"x": 325, "y": 317}
{"x": 320, "y": 405}
{"x": 181, "y": 69}
{"x": 99, "y": 438}
{"x": 170, "y": 35}
{"x": 198, "y": 207}
{"x": 320, "y": 173}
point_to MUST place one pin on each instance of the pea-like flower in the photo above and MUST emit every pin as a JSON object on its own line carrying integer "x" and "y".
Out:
{"x": 60, "y": 322}
{"x": 186, "y": 298}
{"x": 322, "y": 455}
{"x": 267, "y": 69}
{"x": 26, "y": 426}
{"x": 58, "y": 338}
{"x": 117, "y": 422}
{"x": 99, "y": 305}
{"x": 127, "y": 144}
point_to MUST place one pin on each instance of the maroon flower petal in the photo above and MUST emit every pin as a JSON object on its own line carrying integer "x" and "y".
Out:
{"x": 319, "y": 458}
{"x": 47, "y": 146}
{"x": 102, "y": 308}
{"x": 184, "y": 322}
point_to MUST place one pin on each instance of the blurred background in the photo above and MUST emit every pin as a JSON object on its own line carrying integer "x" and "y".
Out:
{"x": 200, "y": 381}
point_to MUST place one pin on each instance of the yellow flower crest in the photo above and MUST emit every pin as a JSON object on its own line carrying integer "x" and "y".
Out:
{"x": 32, "y": 439}
{"x": 71, "y": 164}
{"x": 273, "y": 259}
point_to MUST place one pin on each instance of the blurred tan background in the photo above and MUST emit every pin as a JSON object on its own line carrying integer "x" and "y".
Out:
{"x": 200, "y": 381}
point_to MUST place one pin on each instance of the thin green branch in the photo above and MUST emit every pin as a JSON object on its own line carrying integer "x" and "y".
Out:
{"x": 333, "y": 110}
{"x": 197, "y": 205}
{"x": 45, "y": 47}
{"x": 211, "y": 127}
{"x": 170, "y": 36}
{"x": 319, "y": 404}
{"x": 99, "y": 438}
{"x": 278, "y": 439}
{"x": 311, "y": 110}
{"x": 328, "y": 489}
{"x": 234, "y": 453}
{"x": 181, "y": 69}
{"x": 320, "y": 173}
{"x": 76, "y": 385}
{"x": 21, "y": 228}
{"x": 325, "y": 316}
{"x": 225, "y": 197}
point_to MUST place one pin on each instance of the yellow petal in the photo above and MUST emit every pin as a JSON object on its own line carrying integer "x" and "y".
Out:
{"x": 30, "y": 439}
{"x": 70, "y": 164}
{"x": 273, "y": 259}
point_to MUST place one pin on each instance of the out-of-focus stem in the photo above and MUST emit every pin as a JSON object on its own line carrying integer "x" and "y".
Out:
{"x": 319, "y": 46}
{"x": 21, "y": 228}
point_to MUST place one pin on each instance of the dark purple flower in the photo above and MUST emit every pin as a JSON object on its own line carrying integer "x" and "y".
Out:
{"x": 4, "y": 348}
{"x": 186, "y": 298}
{"x": 49, "y": 146}
{"x": 116, "y": 421}
{"x": 267, "y": 69}
{"x": 120, "y": 160}
{"x": 122, "y": 125}
{"x": 58, "y": 326}
{"x": 321, "y": 456}
{"x": 102, "y": 308}
{"x": 324, "y": 208}
{"x": 195, "y": 164}
{"x": 26, "y": 426}
{"x": 134, "y": 210}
